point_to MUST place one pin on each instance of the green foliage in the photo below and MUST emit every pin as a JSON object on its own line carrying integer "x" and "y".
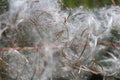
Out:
{"x": 115, "y": 35}
{"x": 115, "y": 32}
{"x": 71, "y": 3}
{"x": 3, "y": 6}
{"x": 88, "y": 3}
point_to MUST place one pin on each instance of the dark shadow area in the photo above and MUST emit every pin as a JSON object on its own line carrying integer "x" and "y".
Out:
{"x": 96, "y": 77}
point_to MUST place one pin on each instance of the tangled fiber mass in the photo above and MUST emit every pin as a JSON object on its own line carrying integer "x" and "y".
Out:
{"x": 41, "y": 41}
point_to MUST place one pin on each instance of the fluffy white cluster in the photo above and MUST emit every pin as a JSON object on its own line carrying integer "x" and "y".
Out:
{"x": 68, "y": 40}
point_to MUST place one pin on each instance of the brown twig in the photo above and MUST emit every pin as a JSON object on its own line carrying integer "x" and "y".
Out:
{"x": 20, "y": 48}
{"x": 113, "y": 2}
{"x": 105, "y": 43}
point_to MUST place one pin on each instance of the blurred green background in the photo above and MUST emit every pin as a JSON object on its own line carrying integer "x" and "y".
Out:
{"x": 89, "y": 3}
{"x": 3, "y": 6}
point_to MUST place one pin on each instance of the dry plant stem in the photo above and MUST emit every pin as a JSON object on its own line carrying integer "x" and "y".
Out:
{"x": 84, "y": 31}
{"x": 84, "y": 68}
{"x": 1, "y": 31}
{"x": 20, "y": 37}
{"x": 105, "y": 43}
{"x": 85, "y": 46}
{"x": 112, "y": 74}
{"x": 21, "y": 48}
{"x": 94, "y": 63}
{"x": 80, "y": 44}
{"x": 36, "y": 64}
{"x": 67, "y": 35}
{"x": 113, "y": 2}
{"x": 17, "y": 77}
{"x": 84, "y": 49}
{"x": 58, "y": 35}
{"x": 64, "y": 55}
{"x": 104, "y": 77}
{"x": 72, "y": 75}
{"x": 34, "y": 22}
{"x": 78, "y": 74}
{"x": 2, "y": 61}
